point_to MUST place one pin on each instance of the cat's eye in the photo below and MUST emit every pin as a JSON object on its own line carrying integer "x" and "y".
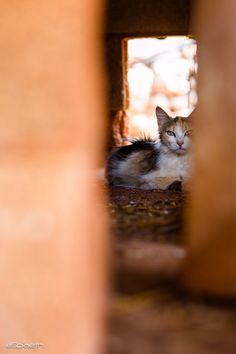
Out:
{"x": 169, "y": 132}
{"x": 188, "y": 133}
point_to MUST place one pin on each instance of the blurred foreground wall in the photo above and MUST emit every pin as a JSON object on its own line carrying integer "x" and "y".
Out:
{"x": 211, "y": 264}
{"x": 52, "y": 223}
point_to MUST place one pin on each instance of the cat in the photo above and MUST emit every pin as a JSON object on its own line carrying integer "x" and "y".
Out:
{"x": 153, "y": 164}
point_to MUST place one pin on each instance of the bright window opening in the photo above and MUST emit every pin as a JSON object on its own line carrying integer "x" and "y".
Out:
{"x": 161, "y": 72}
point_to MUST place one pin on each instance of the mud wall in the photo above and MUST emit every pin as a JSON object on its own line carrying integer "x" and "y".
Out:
{"x": 52, "y": 223}
{"x": 133, "y": 19}
{"x": 211, "y": 265}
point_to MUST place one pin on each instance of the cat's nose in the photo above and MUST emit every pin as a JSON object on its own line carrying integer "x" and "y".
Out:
{"x": 180, "y": 142}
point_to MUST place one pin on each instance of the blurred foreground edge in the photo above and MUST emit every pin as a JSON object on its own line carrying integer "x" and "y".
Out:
{"x": 211, "y": 261}
{"x": 52, "y": 222}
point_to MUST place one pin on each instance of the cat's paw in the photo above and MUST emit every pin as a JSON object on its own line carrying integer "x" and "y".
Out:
{"x": 176, "y": 186}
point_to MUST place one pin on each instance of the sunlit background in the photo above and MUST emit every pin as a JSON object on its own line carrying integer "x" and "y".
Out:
{"x": 160, "y": 72}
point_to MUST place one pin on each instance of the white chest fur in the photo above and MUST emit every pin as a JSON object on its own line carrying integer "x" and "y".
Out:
{"x": 173, "y": 165}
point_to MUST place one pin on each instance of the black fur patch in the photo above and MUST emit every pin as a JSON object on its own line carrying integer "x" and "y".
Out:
{"x": 122, "y": 153}
{"x": 175, "y": 186}
{"x": 137, "y": 145}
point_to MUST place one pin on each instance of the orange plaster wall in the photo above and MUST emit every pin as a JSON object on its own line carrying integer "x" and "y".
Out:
{"x": 52, "y": 221}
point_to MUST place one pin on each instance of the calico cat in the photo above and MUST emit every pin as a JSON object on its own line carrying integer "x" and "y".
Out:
{"x": 149, "y": 164}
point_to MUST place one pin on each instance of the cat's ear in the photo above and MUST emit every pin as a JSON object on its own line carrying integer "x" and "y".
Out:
{"x": 162, "y": 117}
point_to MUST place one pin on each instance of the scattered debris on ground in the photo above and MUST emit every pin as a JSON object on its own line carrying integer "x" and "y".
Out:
{"x": 151, "y": 313}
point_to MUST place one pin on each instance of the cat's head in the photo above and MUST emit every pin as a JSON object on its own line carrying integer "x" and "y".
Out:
{"x": 175, "y": 133}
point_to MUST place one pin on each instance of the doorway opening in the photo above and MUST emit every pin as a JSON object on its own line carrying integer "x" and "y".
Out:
{"x": 161, "y": 72}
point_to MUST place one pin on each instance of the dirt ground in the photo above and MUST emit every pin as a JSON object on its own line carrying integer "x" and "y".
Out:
{"x": 150, "y": 311}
